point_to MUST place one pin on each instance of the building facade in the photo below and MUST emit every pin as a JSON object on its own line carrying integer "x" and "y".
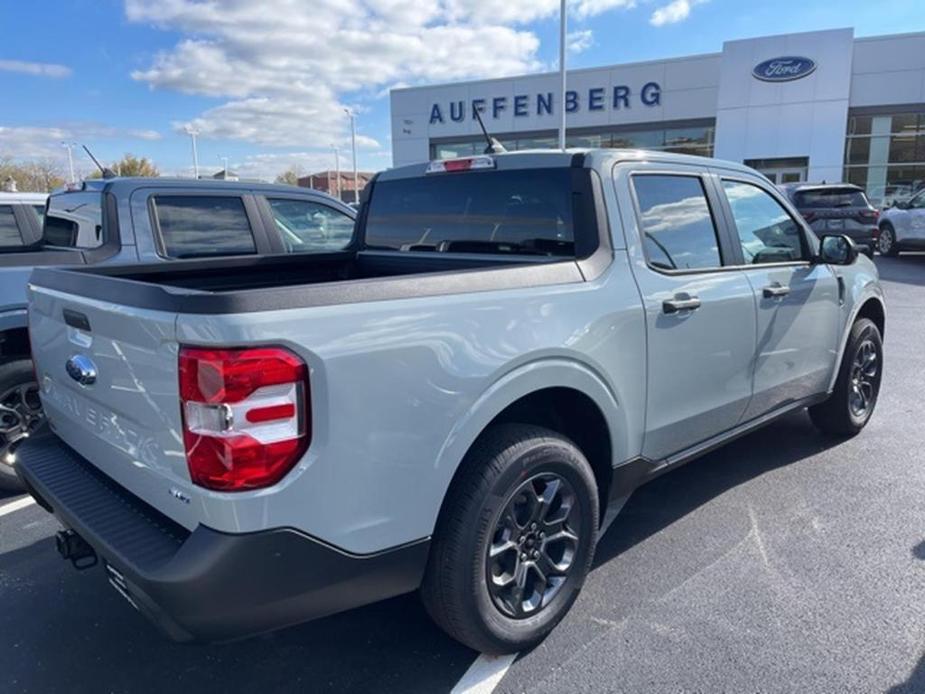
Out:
{"x": 338, "y": 185}
{"x": 812, "y": 106}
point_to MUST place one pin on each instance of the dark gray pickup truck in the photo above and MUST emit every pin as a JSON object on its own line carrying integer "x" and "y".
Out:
{"x": 141, "y": 220}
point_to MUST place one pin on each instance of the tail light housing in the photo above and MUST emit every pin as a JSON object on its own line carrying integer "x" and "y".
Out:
{"x": 246, "y": 415}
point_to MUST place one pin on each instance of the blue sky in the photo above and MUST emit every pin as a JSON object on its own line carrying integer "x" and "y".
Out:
{"x": 266, "y": 82}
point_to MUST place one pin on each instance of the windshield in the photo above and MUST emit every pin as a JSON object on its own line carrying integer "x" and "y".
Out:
{"x": 524, "y": 211}
{"x": 831, "y": 197}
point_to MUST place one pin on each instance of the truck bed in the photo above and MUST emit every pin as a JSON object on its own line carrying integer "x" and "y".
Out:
{"x": 233, "y": 285}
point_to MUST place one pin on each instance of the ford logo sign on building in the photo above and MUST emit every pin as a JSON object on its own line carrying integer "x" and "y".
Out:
{"x": 784, "y": 69}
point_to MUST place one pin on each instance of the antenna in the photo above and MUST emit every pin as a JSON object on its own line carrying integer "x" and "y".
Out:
{"x": 105, "y": 171}
{"x": 494, "y": 147}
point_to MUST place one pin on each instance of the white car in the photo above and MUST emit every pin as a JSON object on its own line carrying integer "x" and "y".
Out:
{"x": 902, "y": 227}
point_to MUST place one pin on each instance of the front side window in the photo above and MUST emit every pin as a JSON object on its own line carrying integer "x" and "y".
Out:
{"x": 526, "y": 211}
{"x": 9, "y": 231}
{"x": 767, "y": 233}
{"x": 74, "y": 220}
{"x": 918, "y": 202}
{"x": 678, "y": 229}
{"x": 310, "y": 226}
{"x": 195, "y": 226}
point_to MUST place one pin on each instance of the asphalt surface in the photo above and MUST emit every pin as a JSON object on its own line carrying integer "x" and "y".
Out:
{"x": 783, "y": 562}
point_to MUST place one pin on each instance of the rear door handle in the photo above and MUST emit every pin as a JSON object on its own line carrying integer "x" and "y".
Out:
{"x": 680, "y": 303}
{"x": 775, "y": 290}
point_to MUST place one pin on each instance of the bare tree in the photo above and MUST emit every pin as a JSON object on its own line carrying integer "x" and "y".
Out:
{"x": 39, "y": 176}
{"x": 130, "y": 165}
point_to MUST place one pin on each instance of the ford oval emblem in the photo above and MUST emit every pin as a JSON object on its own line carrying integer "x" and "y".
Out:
{"x": 81, "y": 369}
{"x": 784, "y": 69}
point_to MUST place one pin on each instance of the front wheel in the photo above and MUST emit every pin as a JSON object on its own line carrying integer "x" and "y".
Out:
{"x": 852, "y": 402}
{"x": 515, "y": 540}
{"x": 21, "y": 415}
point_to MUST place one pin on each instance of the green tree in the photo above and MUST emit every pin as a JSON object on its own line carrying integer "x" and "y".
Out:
{"x": 130, "y": 165}
{"x": 291, "y": 176}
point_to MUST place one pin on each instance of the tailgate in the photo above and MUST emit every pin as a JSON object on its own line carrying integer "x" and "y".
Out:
{"x": 108, "y": 375}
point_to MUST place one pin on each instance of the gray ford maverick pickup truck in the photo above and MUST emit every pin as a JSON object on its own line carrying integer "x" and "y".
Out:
{"x": 459, "y": 401}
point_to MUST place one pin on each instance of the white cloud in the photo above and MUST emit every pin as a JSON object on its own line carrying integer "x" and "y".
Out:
{"x": 674, "y": 12}
{"x": 37, "y": 69}
{"x": 44, "y": 142}
{"x": 284, "y": 68}
{"x": 579, "y": 41}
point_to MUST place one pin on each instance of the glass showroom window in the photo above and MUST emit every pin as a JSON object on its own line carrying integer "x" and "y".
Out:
{"x": 885, "y": 155}
{"x": 695, "y": 139}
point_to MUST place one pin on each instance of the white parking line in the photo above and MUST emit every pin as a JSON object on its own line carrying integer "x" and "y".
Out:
{"x": 16, "y": 505}
{"x": 484, "y": 674}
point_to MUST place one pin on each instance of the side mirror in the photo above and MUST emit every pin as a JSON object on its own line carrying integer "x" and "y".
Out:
{"x": 837, "y": 249}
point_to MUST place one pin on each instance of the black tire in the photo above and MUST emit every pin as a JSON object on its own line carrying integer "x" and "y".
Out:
{"x": 886, "y": 244}
{"x": 506, "y": 465}
{"x": 839, "y": 415}
{"x": 16, "y": 377}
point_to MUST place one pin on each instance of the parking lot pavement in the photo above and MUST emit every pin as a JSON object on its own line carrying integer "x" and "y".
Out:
{"x": 783, "y": 562}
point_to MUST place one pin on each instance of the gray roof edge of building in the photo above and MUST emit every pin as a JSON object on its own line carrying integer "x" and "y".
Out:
{"x": 439, "y": 85}
{"x": 575, "y": 71}
{"x": 886, "y": 37}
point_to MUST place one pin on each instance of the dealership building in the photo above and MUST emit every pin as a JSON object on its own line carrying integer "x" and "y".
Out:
{"x": 812, "y": 106}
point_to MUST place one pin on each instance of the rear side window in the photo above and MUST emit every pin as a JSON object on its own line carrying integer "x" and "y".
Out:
{"x": 766, "y": 231}
{"x": 193, "y": 226}
{"x": 678, "y": 229}
{"x": 74, "y": 220}
{"x": 9, "y": 231}
{"x": 830, "y": 197}
{"x": 306, "y": 226}
{"x": 525, "y": 211}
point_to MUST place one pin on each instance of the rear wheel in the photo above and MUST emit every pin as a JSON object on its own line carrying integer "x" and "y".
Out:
{"x": 886, "y": 243}
{"x": 21, "y": 415}
{"x": 515, "y": 540}
{"x": 852, "y": 402}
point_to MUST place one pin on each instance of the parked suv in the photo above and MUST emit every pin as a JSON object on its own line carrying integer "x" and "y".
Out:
{"x": 837, "y": 208}
{"x": 137, "y": 220}
{"x": 902, "y": 226}
{"x": 460, "y": 401}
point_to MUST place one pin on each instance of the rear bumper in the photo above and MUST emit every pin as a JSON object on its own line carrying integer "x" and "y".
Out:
{"x": 204, "y": 584}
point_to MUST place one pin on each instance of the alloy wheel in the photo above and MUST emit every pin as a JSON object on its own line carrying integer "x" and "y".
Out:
{"x": 533, "y": 546}
{"x": 885, "y": 241}
{"x": 21, "y": 414}
{"x": 865, "y": 371}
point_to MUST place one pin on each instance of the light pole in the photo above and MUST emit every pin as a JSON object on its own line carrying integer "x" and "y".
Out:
{"x": 70, "y": 160}
{"x": 336, "y": 171}
{"x": 192, "y": 132}
{"x": 563, "y": 21}
{"x": 224, "y": 161}
{"x": 353, "y": 140}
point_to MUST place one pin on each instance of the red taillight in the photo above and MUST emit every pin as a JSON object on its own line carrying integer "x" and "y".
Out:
{"x": 245, "y": 415}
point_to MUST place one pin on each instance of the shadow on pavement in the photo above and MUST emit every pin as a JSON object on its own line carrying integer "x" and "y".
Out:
{"x": 65, "y": 631}
{"x": 671, "y": 497}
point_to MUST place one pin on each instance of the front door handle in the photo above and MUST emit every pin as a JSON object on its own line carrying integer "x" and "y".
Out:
{"x": 773, "y": 291}
{"x": 682, "y": 302}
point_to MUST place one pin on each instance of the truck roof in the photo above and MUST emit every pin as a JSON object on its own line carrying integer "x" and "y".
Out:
{"x": 122, "y": 185}
{"x": 546, "y": 158}
{"x": 23, "y": 198}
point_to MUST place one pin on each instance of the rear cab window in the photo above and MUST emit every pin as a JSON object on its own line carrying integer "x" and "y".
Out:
{"x": 198, "y": 226}
{"x": 509, "y": 211}
{"x": 74, "y": 220}
{"x": 679, "y": 231}
{"x": 830, "y": 197}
